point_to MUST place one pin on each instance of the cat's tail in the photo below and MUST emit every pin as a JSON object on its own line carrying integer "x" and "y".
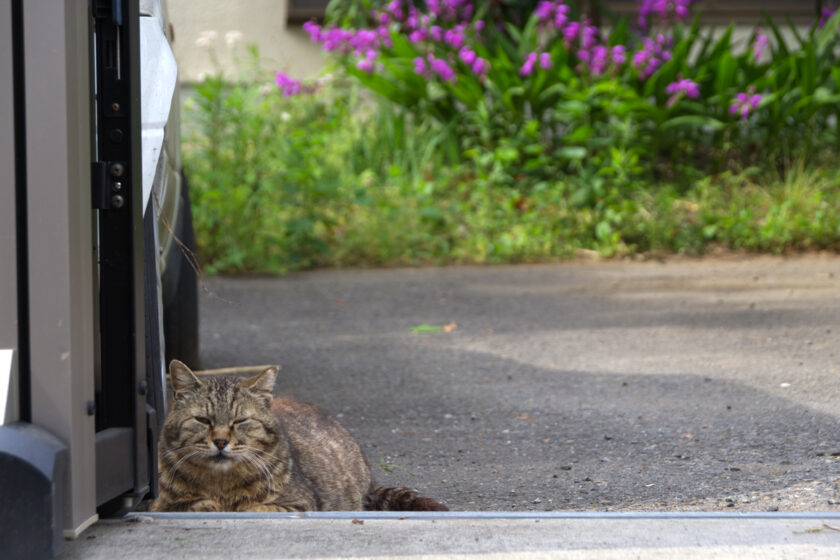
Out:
{"x": 388, "y": 498}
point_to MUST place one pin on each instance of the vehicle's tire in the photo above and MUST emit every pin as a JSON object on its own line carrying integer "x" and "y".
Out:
{"x": 180, "y": 307}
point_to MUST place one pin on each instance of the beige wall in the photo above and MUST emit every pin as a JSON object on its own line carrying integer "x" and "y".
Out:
{"x": 262, "y": 22}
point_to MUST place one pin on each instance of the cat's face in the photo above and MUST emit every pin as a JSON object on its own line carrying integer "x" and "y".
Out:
{"x": 220, "y": 423}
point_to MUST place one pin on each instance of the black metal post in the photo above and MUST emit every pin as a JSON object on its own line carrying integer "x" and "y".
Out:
{"x": 120, "y": 399}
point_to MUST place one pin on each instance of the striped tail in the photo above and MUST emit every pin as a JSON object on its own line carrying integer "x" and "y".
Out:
{"x": 388, "y": 498}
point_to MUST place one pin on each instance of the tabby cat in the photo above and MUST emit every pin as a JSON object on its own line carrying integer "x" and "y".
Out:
{"x": 227, "y": 446}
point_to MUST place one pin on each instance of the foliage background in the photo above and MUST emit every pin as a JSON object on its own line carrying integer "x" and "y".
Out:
{"x": 380, "y": 164}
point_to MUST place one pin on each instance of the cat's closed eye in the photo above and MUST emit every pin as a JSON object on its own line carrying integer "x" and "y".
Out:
{"x": 241, "y": 421}
{"x": 203, "y": 420}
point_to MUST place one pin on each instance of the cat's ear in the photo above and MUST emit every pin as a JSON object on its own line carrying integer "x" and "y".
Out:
{"x": 183, "y": 379}
{"x": 263, "y": 382}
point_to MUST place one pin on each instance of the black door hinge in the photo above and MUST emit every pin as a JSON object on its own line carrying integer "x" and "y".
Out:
{"x": 107, "y": 185}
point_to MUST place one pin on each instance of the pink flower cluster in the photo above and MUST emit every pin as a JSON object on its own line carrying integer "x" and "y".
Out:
{"x": 345, "y": 40}
{"x": 745, "y": 102}
{"x": 450, "y": 10}
{"x": 289, "y": 86}
{"x": 552, "y": 13}
{"x": 478, "y": 65}
{"x": 531, "y": 61}
{"x": 365, "y": 43}
{"x": 684, "y": 86}
{"x": 434, "y": 66}
{"x": 653, "y": 54}
{"x": 600, "y": 57}
{"x": 447, "y": 23}
{"x": 664, "y": 10}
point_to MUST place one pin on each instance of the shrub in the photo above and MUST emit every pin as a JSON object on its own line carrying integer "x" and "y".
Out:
{"x": 539, "y": 88}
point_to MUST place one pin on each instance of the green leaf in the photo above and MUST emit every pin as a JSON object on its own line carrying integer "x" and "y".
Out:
{"x": 781, "y": 45}
{"x": 823, "y": 96}
{"x": 726, "y": 68}
{"x": 424, "y": 328}
{"x": 603, "y": 230}
{"x": 693, "y": 121}
{"x": 828, "y": 33}
{"x": 572, "y": 152}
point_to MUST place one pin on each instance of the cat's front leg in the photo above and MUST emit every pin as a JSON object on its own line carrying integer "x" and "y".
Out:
{"x": 275, "y": 507}
{"x": 201, "y": 504}
{"x": 206, "y": 504}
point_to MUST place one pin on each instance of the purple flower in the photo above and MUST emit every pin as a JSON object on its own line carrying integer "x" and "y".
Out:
{"x": 687, "y": 87}
{"x": 597, "y": 59}
{"x": 662, "y": 9}
{"x": 561, "y": 16}
{"x": 544, "y": 10}
{"x": 417, "y": 35}
{"x": 454, "y": 37}
{"x": 619, "y": 54}
{"x": 759, "y": 44}
{"x": 570, "y": 33}
{"x": 745, "y": 102}
{"x": 652, "y": 55}
{"x": 314, "y": 31}
{"x": 467, "y": 56}
{"x": 436, "y": 32}
{"x": 289, "y": 86}
{"x": 442, "y": 69}
{"x": 588, "y": 35}
{"x": 545, "y": 61}
{"x": 420, "y": 66}
{"x": 366, "y": 64}
{"x": 480, "y": 67}
{"x": 826, "y": 14}
{"x": 394, "y": 9}
{"x": 528, "y": 68}
{"x": 552, "y": 12}
{"x": 412, "y": 21}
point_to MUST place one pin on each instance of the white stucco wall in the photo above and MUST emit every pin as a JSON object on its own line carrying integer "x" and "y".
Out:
{"x": 262, "y": 22}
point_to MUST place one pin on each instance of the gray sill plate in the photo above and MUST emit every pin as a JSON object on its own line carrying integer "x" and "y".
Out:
{"x": 438, "y": 515}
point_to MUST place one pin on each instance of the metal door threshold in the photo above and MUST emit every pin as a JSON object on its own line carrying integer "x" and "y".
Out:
{"x": 479, "y": 515}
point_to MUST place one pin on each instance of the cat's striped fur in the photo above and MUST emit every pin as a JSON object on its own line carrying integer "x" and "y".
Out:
{"x": 227, "y": 446}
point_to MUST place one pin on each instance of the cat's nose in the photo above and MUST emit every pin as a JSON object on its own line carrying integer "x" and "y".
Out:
{"x": 220, "y": 443}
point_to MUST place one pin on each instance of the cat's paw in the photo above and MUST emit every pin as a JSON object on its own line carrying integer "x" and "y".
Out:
{"x": 205, "y": 505}
{"x": 274, "y": 508}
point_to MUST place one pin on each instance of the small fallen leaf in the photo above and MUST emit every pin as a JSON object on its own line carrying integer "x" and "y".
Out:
{"x": 525, "y": 417}
{"x": 450, "y": 327}
{"x": 424, "y": 328}
{"x": 355, "y": 521}
{"x": 825, "y": 526}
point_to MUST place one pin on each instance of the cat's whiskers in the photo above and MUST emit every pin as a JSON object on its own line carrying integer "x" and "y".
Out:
{"x": 181, "y": 460}
{"x": 259, "y": 464}
{"x": 175, "y": 450}
{"x": 257, "y": 450}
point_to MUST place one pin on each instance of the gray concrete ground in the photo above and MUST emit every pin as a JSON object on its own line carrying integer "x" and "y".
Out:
{"x": 526, "y": 539}
{"x": 620, "y": 386}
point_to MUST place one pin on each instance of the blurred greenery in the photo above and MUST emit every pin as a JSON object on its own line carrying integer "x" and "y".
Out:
{"x": 358, "y": 171}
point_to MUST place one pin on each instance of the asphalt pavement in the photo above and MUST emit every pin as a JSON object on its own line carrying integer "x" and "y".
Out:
{"x": 617, "y": 386}
{"x": 600, "y": 387}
